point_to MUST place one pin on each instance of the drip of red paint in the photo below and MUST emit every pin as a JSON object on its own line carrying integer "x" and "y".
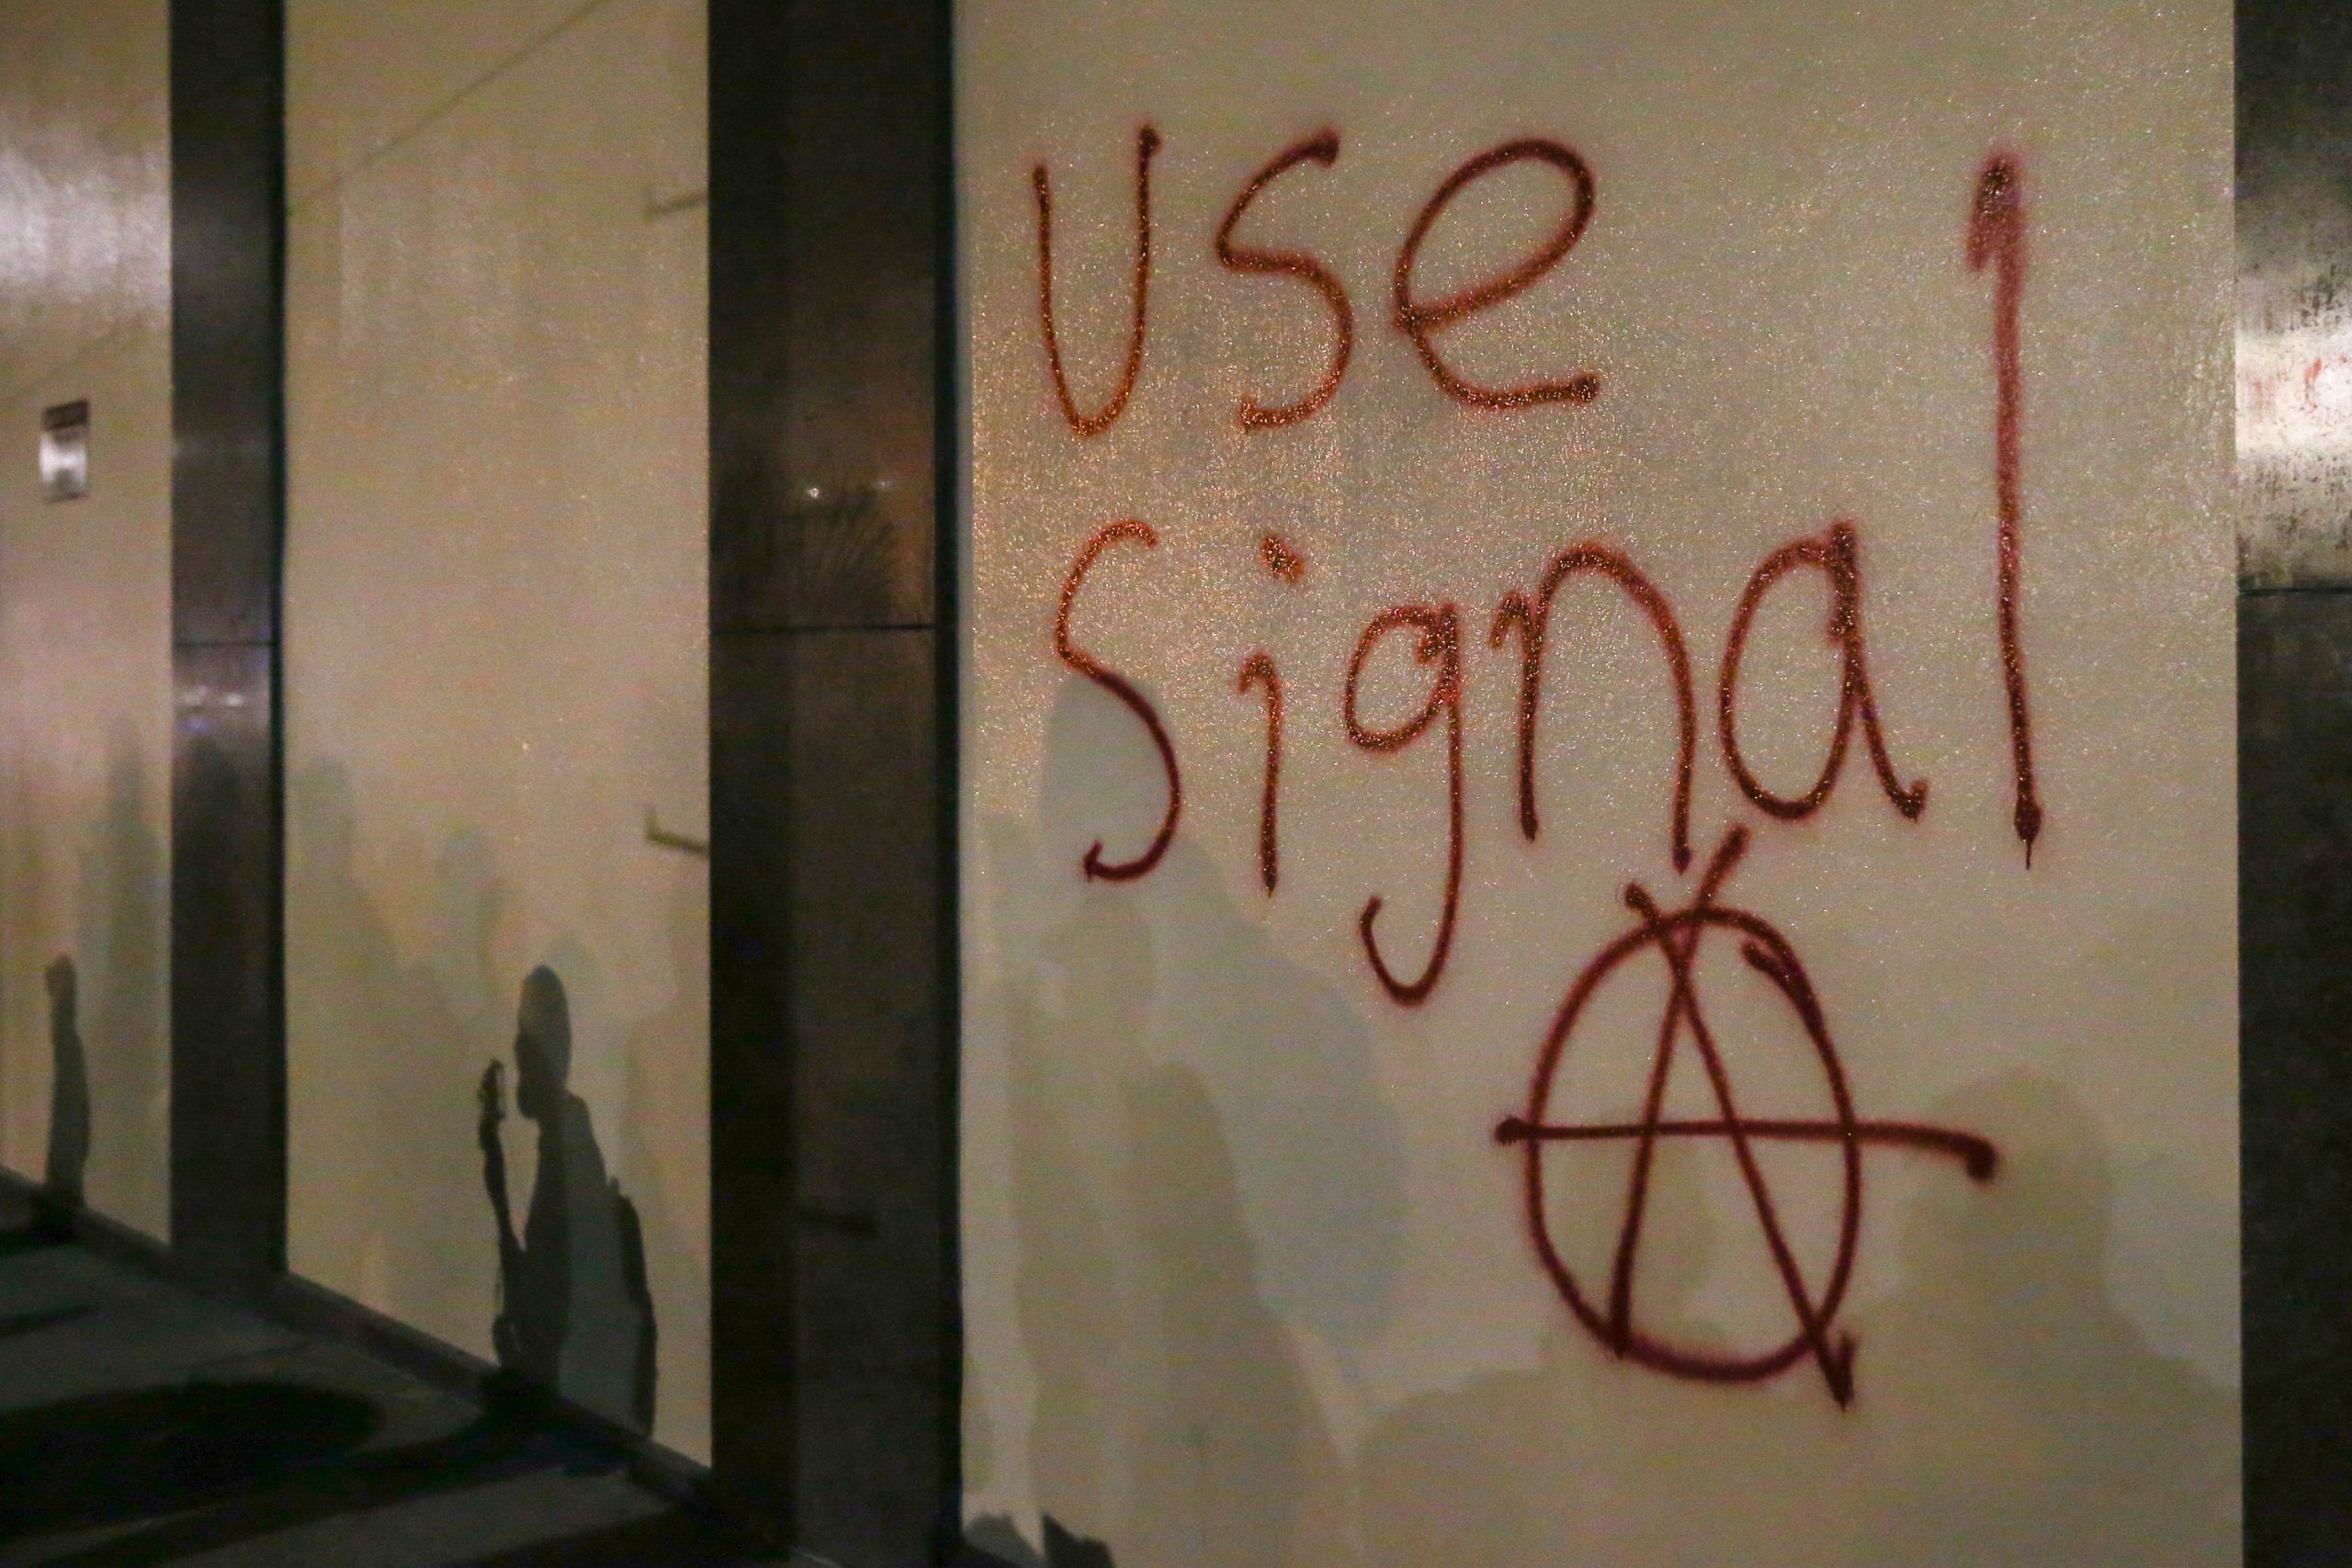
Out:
{"x": 1996, "y": 238}
{"x": 1259, "y": 670}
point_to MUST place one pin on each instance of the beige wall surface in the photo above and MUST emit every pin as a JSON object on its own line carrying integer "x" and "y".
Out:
{"x": 85, "y": 599}
{"x": 495, "y": 652}
{"x": 1267, "y": 1262}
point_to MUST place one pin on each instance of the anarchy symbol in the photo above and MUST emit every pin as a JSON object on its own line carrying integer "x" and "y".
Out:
{"x": 1676, "y": 937}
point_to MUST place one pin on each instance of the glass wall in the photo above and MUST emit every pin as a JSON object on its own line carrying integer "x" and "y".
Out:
{"x": 1599, "y": 862}
{"x": 496, "y": 592}
{"x": 86, "y": 594}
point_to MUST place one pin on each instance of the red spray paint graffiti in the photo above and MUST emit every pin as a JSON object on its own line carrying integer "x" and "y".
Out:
{"x": 1111, "y": 680}
{"x": 1258, "y": 671}
{"x": 1440, "y": 644}
{"x": 1095, "y": 424}
{"x": 1531, "y": 619}
{"x": 1322, "y": 148}
{"x": 1417, "y": 319}
{"x": 1996, "y": 238}
{"x": 1288, "y": 566}
{"x": 1836, "y": 556}
{"x": 1280, "y": 558}
{"x": 1678, "y": 937}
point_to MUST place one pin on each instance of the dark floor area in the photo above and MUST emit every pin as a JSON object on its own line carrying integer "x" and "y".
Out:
{"x": 143, "y": 1423}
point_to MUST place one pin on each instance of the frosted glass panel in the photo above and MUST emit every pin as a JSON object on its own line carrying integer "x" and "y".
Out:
{"x": 496, "y": 671}
{"x": 1599, "y": 811}
{"x": 85, "y": 608}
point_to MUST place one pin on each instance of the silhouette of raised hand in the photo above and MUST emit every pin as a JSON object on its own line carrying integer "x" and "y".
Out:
{"x": 492, "y": 1099}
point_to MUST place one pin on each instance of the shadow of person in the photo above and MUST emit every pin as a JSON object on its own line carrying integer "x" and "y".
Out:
{"x": 1226, "y": 1454}
{"x": 1233, "y": 1461}
{"x": 1522, "y": 1468}
{"x": 575, "y": 1316}
{"x": 1171, "y": 1084}
{"x": 380, "y": 1045}
{"x": 1072, "y": 1016}
{"x": 69, "y": 1101}
{"x": 2004, "y": 1413}
{"x": 119, "y": 953}
{"x": 1071, "y": 1052}
{"x": 1317, "y": 1147}
{"x": 1588, "y": 1458}
{"x": 2037, "y": 1425}
{"x": 667, "y": 1086}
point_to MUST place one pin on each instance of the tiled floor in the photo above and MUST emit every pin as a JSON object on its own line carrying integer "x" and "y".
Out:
{"x": 139, "y": 1424}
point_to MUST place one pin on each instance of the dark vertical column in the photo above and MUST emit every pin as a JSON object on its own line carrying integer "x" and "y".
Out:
{"x": 835, "y": 1355}
{"x": 2294, "y": 115}
{"x": 2295, "y": 1001}
{"x": 228, "y": 1030}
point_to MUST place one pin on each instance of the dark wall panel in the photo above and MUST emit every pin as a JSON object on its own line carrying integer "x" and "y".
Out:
{"x": 751, "y": 1102}
{"x": 2295, "y": 1017}
{"x": 828, "y": 193}
{"x": 228, "y": 1031}
{"x": 834, "y": 1347}
{"x": 869, "y": 1253}
{"x": 227, "y": 157}
{"x": 2294, "y": 223}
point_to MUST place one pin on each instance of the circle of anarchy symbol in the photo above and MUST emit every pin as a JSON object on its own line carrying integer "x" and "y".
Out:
{"x": 1676, "y": 937}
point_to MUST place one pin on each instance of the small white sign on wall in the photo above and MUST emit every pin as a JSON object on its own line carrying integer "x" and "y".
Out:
{"x": 65, "y": 451}
{"x": 1599, "y": 805}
